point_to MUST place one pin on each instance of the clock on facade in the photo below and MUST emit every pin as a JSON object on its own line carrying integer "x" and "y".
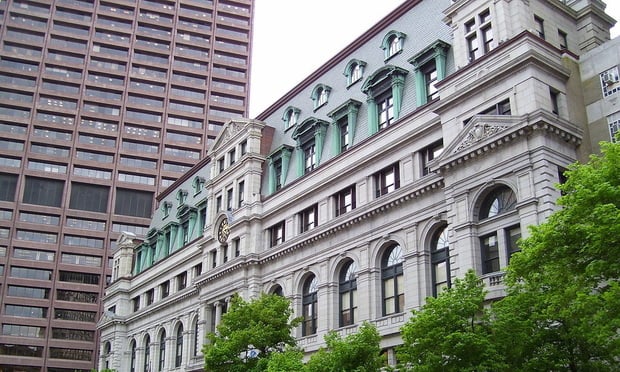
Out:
{"x": 222, "y": 231}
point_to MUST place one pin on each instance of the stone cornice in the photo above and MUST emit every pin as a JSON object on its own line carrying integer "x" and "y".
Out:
{"x": 487, "y": 133}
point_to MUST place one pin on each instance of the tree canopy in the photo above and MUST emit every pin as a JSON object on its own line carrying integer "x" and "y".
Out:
{"x": 562, "y": 308}
{"x": 359, "y": 352}
{"x": 563, "y": 286}
{"x": 451, "y": 332}
{"x": 249, "y": 333}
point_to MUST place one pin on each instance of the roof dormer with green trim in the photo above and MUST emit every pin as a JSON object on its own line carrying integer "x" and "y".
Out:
{"x": 310, "y": 137}
{"x": 384, "y": 92}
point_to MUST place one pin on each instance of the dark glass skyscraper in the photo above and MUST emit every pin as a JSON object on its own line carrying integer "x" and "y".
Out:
{"x": 103, "y": 104}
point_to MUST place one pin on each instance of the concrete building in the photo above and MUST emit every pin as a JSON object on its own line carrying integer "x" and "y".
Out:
{"x": 103, "y": 105}
{"x": 422, "y": 150}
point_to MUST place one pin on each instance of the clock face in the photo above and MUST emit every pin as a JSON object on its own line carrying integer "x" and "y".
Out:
{"x": 222, "y": 231}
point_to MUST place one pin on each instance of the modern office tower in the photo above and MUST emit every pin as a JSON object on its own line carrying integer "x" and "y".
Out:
{"x": 423, "y": 149}
{"x": 103, "y": 104}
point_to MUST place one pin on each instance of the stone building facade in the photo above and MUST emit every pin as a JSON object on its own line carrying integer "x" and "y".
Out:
{"x": 422, "y": 150}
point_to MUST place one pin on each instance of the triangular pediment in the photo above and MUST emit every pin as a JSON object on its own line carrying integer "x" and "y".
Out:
{"x": 481, "y": 131}
{"x": 230, "y": 130}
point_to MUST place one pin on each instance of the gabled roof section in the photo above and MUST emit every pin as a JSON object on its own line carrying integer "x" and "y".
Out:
{"x": 230, "y": 130}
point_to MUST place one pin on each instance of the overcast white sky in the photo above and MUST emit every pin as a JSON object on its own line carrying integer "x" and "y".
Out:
{"x": 292, "y": 38}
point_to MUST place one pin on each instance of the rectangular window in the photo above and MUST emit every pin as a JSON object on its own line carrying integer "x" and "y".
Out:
{"x": 387, "y": 180}
{"x": 345, "y": 200}
{"x": 135, "y": 304}
{"x": 133, "y": 203}
{"x": 553, "y": 96}
{"x": 240, "y": 194}
{"x": 490, "y": 254}
{"x": 345, "y": 140}
{"x": 25, "y": 311}
{"x": 33, "y": 254}
{"x": 77, "y": 296}
{"x": 150, "y": 296}
{"x": 181, "y": 281}
{"x": 80, "y": 278}
{"x": 75, "y": 315}
{"x": 610, "y": 81}
{"x": 308, "y": 218}
{"x": 277, "y": 165}
{"x": 8, "y": 186}
{"x": 385, "y": 107}
{"x": 513, "y": 234}
{"x": 42, "y": 191}
{"x": 563, "y": 36}
{"x": 89, "y": 197}
{"x": 430, "y": 153}
{"x": 430, "y": 79}
{"x": 229, "y": 199}
{"x": 164, "y": 289}
{"x": 539, "y": 25}
{"x": 614, "y": 125}
{"x": 30, "y": 273}
{"x": 28, "y": 292}
{"x": 309, "y": 157}
{"x": 276, "y": 234}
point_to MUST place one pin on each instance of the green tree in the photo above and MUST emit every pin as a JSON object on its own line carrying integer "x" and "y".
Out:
{"x": 250, "y": 333}
{"x": 291, "y": 360}
{"x": 564, "y": 296}
{"x": 359, "y": 352}
{"x": 451, "y": 332}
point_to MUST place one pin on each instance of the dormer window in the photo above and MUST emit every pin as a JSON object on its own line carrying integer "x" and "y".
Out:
{"x": 354, "y": 71}
{"x": 392, "y": 44}
{"x": 165, "y": 208}
{"x": 182, "y": 196}
{"x": 344, "y": 124}
{"x": 430, "y": 67}
{"x": 197, "y": 184}
{"x": 278, "y": 167}
{"x": 290, "y": 117}
{"x": 310, "y": 136}
{"x": 320, "y": 95}
{"x": 384, "y": 89}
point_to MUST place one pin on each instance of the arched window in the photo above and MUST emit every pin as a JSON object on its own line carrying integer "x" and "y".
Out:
{"x": 133, "y": 356}
{"x": 440, "y": 261}
{"x": 107, "y": 349}
{"x": 500, "y": 200}
{"x": 179, "y": 347}
{"x": 277, "y": 290}
{"x": 347, "y": 287}
{"x": 320, "y": 95}
{"x": 162, "y": 351}
{"x": 392, "y": 279}
{"x": 197, "y": 344}
{"x": 309, "y": 302}
{"x": 354, "y": 71}
{"x": 497, "y": 245}
{"x": 290, "y": 117}
{"x": 392, "y": 43}
{"x": 147, "y": 354}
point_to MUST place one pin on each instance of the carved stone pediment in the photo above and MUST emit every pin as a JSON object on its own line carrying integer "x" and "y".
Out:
{"x": 479, "y": 132}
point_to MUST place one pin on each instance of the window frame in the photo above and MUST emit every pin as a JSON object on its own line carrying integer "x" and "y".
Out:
{"x": 347, "y": 290}
{"x": 392, "y": 273}
{"x": 381, "y": 178}
{"x": 309, "y": 218}
{"x": 309, "y": 306}
{"x": 277, "y": 234}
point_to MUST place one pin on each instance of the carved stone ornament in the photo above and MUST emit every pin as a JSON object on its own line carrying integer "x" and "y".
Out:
{"x": 477, "y": 133}
{"x": 232, "y": 129}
